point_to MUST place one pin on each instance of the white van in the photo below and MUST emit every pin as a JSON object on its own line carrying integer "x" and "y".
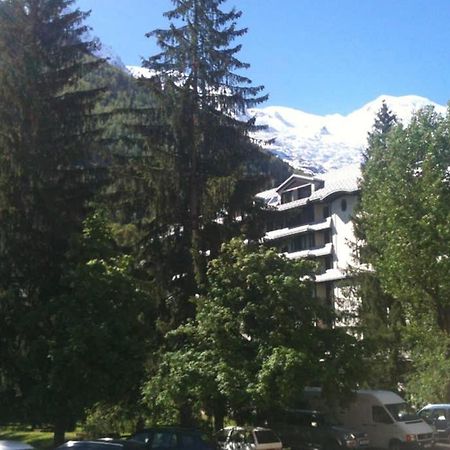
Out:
{"x": 387, "y": 419}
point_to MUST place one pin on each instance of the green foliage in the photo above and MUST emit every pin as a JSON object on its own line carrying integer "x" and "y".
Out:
{"x": 199, "y": 162}
{"x": 109, "y": 420}
{"x": 70, "y": 307}
{"x": 38, "y": 438}
{"x": 254, "y": 344}
{"x": 405, "y": 209}
{"x": 431, "y": 363}
{"x": 380, "y": 314}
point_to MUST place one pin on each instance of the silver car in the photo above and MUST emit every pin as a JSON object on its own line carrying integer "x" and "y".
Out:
{"x": 14, "y": 445}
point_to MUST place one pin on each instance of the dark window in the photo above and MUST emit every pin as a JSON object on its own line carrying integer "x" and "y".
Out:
{"x": 327, "y": 236}
{"x": 329, "y": 294}
{"x": 266, "y": 436}
{"x": 248, "y": 438}
{"x": 237, "y": 436}
{"x": 328, "y": 262}
{"x": 191, "y": 441}
{"x": 143, "y": 437}
{"x": 326, "y": 212}
{"x": 164, "y": 439}
{"x": 344, "y": 204}
{"x": 298, "y": 418}
{"x": 426, "y": 415}
{"x": 286, "y": 197}
{"x": 303, "y": 242}
{"x": 379, "y": 415}
{"x": 303, "y": 192}
{"x": 301, "y": 217}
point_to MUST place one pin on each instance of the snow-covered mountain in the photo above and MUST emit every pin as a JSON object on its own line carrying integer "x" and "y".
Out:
{"x": 323, "y": 143}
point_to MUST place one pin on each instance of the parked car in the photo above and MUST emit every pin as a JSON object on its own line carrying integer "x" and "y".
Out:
{"x": 311, "y": 429}
{"x": 102, "y": 444}
{"x": 14, "y": 445}
{"x": 247, "y": 438}
{"x": 438, "y": 416}
{"x": 172, "y": 438}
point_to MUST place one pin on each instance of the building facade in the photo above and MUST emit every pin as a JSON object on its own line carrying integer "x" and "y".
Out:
{"x": 311, "y": 217}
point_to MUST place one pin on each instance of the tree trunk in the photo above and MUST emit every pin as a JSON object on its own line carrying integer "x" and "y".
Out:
{"x": 186, "y": 417}
{"x": 59, "y": 434}
{"x": 219, "y": 415}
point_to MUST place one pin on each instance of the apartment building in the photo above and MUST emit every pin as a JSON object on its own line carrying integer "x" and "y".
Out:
{"x": 311, "y": 217}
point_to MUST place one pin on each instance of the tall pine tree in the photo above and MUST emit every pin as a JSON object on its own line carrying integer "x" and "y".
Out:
{"x": 380, "y": 314}
{"x": 49, "y": 171}
{"x": 198, "y": 145}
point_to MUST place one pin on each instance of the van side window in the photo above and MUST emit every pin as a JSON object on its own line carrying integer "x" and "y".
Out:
{"x": 379, "y": 415}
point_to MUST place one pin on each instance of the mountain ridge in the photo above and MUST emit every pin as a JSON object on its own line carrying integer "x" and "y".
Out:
{"x": 320, "y": 143}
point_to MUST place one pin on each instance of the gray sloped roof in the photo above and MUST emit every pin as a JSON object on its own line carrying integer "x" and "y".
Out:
{"x": 343, "y": 180}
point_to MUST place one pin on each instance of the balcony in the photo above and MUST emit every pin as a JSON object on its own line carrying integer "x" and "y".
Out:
{"x": 331, "y": 275}
{"x": 285, "y": 232}
{"x": 327, "y": 249}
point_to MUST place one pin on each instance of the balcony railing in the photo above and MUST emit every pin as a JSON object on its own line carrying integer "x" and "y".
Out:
{"x": 285, "y": 232}
{"x": 327, "y": 249}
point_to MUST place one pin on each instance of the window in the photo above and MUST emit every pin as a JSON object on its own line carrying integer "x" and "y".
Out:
{"x": 237, "y": 436}
{"x": 286, "y": 197}
{"x": 192, "y": 441}
{"x": 142, "y": 437}
{"x": 401, "y": 412}
{"x": 163, "y": 439}
{"x": 303, "y": 242}
{"x": 266, "y": 437}
{"x": 379, "y": 415}
{"x": 344, "y": 204}
{"x": 326, "y": 212}
{"x": 303, "y": 192}
{"x": 329, "y": 294}
{"x": 249, "y": 439}
{"x": 301, "y": 217}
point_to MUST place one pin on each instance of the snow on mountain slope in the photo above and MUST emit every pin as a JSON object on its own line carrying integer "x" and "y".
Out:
{"x": 323, "y": 143}
{"x": 137, "y": 71}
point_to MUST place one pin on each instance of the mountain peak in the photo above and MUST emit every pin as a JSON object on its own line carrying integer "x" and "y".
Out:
{"x": 328, "y": 142}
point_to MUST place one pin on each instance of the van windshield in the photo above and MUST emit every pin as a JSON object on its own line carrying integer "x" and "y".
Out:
{"x": 402, "y": 412}
{"x": 328, "y": 420}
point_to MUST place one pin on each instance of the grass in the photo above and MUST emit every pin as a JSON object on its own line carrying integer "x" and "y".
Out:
{"x": 40, "y": 439}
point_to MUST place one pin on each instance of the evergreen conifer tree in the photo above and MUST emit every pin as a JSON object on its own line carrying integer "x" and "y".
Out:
{"x": 380, "y": 314}
{"x": 49, "y": 171}
{"x": 198, "y": 142}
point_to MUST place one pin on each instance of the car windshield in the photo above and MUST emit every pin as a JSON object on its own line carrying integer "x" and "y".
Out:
{"x": 329, "y": 420}
{"x": 266, "y": 436}
{"x": 402, "y": 412}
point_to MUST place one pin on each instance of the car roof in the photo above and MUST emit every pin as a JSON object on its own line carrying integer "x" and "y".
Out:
{"x": 14, "y": 445}
{"x": 246, "y": 428}
{"x": 171, "y": 428}
{"x": 305, "y": 411}
{"x": 437, "y": 405}
{"x": 102, "y": 442}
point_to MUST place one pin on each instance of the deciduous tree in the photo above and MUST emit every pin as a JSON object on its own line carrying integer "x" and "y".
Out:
{"x": 254, "y": 344}
{"x": 405, "y": 206}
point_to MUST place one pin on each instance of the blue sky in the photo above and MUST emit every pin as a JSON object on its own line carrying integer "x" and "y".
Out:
{"x": 321, "y": 56}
